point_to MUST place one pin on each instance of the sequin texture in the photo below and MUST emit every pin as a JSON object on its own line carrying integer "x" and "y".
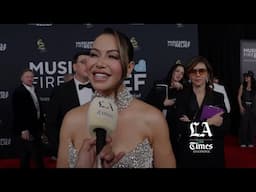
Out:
{"x": 140, "y": 157}
{"x": 73, "y": 154}
{"x": 123, "y": 100}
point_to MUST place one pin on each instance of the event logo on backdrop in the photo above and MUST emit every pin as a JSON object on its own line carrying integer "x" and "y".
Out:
{"x": 84, "y": 44}
{"x": 41, "y": 24}
{"x": 49, "y": 74}
{"x": 137, "y": 79}
{"x": 5, "y": 141}
{"x": 4, "y": 94}
{"x": 135, "y": 44}
{"x": 41, "y": 45}
{"x": 3, "y": 46}
{"x": 247, "y": 56}
{"x": 178, "y": 43}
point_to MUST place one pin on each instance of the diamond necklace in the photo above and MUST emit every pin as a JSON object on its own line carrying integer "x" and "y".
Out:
{"x": 123, "y": 99}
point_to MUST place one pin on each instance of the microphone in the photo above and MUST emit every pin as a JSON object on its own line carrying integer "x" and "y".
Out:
{"x": 102, "y": 120}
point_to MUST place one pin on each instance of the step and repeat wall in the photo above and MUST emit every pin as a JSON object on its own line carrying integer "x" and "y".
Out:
{"x": 247, "y": 57}
{"x": 47, "y": 49}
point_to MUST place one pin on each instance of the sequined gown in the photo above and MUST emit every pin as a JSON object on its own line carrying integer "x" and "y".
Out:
{"x": 140, "y": 157}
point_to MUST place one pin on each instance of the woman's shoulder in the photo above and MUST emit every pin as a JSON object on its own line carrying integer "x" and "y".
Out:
{"x": 74, "y": 120}
{"x": 79, "y": 109}
{"x": 75, "y": 114}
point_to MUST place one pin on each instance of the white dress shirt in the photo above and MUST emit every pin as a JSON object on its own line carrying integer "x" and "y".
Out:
{"x": 221, "y": 89}
{"x": 34, "y": 97}
{"x": 85, "y": 94}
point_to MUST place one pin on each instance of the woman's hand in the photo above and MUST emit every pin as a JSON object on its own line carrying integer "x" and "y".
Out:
{"x": 242, "y": 110}
{"x": 216, "y": 120}
{"x": 87, "y": 154}
{"x": 169, "y": 102}
{"x": 177, "y": 85}
{"x": 107, "y": 155}
{"x": 184, "y": 118}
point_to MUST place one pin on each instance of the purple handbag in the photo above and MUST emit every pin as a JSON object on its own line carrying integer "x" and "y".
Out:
{"x": 209, "y": 111}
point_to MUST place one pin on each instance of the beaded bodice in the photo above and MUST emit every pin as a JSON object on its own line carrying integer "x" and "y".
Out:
{"x": 140, "y": 157}
{"x": 122, "y": 100}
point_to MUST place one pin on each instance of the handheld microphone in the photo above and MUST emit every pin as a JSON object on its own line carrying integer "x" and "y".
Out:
{"x": 102, "y": 120}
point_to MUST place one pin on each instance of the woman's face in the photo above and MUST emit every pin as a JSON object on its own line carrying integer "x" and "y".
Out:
{"x": 178, "y": 74}
{"x": 199, "y": 75}
{"x": 104, "y": 65}
{"x": 247, "y": 78}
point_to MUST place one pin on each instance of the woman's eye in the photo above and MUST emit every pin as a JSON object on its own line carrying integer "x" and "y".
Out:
{"x": 93, "y": 55}
{"x": 114, "y": 57}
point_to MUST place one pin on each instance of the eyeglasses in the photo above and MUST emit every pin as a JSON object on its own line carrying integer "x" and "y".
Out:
{"x": 200, "y": 71}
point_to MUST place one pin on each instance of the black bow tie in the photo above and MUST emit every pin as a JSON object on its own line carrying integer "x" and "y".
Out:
{"x": 88, "y": 85}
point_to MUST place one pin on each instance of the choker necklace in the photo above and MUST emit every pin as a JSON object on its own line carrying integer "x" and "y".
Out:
{"x": 122, "y": 100}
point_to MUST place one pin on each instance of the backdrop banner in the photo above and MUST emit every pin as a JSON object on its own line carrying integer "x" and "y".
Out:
{"x": 247, "y": 56}
{"x": 48, "y": 49}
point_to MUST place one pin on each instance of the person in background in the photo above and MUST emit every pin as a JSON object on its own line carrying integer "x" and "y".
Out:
{"x": 246, "y": 94}
{"x": 70, "y": 94}
{"x": 202, "y": 137}
{"x": 28, "y": 121}
{"x": 221, "y": 89}
{"x": 142, "y": 131}
{"x": 68, "y": 77}
{"x": 163, "y": 96}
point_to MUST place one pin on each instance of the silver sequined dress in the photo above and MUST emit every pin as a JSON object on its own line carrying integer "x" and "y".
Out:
{"x": 140, "y": 157}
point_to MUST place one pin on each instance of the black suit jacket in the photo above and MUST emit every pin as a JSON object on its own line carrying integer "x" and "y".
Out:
{"x": 25, "y": 113}
{"x": 187, "y": 105}
{"x": 63, "y": 99}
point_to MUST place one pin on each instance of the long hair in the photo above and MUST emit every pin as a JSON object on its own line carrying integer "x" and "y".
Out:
{"x": 168, "y": 78}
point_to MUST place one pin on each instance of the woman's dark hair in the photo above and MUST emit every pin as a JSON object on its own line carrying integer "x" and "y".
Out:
{"x": 125, "y": 49}
{"x": 253, "y": 81}
{"x": 167, "y": 79}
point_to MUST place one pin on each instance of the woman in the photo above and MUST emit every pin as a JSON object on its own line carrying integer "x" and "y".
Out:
{"x": 141, "y": 132}
{"x": 202, "y": 138}
{"x": 174, "y": 82}
{"x": 246, "y": 95}
{"x": 166, "y": 102}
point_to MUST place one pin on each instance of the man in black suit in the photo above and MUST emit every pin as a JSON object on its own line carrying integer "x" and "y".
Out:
{"x": 28, "y": 122}
{"x": 70, "y": 94}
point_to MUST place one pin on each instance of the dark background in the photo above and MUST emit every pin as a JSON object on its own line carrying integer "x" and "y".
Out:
{"x": 220, "y": 43}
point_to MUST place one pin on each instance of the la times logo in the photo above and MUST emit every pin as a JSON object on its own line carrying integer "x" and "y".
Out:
{"x": 200, "y": 134}
{"x": 200, "y": 147}
{"x": 196, "y": 132}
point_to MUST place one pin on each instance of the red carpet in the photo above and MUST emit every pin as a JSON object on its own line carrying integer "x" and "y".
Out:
{"x": 236, "y": 157}
{"x": 14, "y": 163}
